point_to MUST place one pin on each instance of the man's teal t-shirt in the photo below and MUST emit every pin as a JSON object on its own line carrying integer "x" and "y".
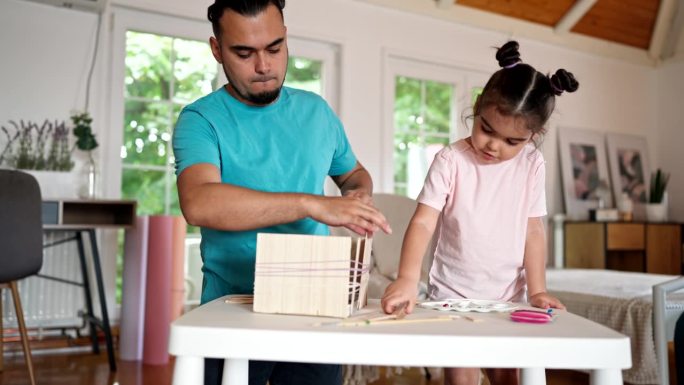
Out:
{"x": 291, "y": 145}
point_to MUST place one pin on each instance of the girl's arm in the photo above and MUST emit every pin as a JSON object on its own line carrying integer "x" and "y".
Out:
{"x": 535, "y": 266}
{"x": 416, "y": 240}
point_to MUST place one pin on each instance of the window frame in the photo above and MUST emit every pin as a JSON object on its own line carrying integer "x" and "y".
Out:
{"x": 461, "y": 78}
{"x": 139, "y": 21}
{"x": 328, "y": 54}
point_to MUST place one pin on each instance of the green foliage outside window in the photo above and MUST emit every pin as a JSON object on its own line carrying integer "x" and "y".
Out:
{"x": 475, "y": 92}
{"x": 162, "y": 75}
{"x": 304, "y": 74}
{"x": 422, "y": 117}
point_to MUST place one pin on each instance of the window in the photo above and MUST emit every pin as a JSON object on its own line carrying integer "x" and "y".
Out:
{"x": 162, "y": 75}
{"x": 422, "y": 126}
{"x": 423, "y": 114}
{"x": 304, "y": 74}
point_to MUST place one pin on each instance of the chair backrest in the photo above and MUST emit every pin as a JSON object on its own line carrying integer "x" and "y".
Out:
{"x": 387, "y": 248}
{"x": 21, "y": 229}
{"x": 665, "y": 324}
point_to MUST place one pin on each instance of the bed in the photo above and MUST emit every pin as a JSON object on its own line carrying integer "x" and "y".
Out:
{"x": 624, "y": 302}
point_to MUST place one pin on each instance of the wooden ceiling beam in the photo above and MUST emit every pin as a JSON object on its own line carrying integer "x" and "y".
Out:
{"x": 511, "y": 27}
{"x": 575, "y": 14}
{"x": 675, "y": 32}
{"x": 662, "y": 26}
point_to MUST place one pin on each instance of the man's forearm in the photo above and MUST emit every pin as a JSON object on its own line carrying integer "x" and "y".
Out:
{"x": 358, "y": 180}
{"x": 228, "y": 207}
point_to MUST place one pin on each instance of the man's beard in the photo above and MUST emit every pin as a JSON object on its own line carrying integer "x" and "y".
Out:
{"x": 263, "y": 98}
{"x": 260, "y": 99}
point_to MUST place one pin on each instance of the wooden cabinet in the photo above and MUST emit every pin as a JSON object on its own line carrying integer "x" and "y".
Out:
{"x": 628, "y": 246}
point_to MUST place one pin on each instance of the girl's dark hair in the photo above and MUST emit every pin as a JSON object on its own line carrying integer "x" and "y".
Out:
{"x": 242, "y": 7}
{"x": 517, "y": 89}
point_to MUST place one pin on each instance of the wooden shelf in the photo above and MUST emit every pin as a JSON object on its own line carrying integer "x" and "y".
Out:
{"x": 88, "y": 213}
{"x": 629, "y": 246}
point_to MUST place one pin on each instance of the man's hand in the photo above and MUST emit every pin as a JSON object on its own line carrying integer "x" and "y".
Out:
{"x": 356, "y": 186}
{"x": 362, "y": 195}
{"x": 350, "y": 212}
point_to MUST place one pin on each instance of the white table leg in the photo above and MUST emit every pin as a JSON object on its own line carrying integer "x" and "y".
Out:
{"x": 188, "y": 371}
{"x": 235, "y": 372}
{"x": 532, "y": 376}
{"x": 606, "y": 377}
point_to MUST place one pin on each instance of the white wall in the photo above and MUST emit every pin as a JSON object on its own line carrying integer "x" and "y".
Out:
{"x": 45, "y": 56}
{"x": 45, "y": 59}
{"x": 670, "y": 132}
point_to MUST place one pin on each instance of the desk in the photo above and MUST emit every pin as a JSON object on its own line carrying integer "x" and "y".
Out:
{"x": 83, "y": 217}
{"x": 234, "y": 332}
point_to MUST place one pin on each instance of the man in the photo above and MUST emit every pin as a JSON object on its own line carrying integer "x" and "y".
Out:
{"x": 253, "y": 156}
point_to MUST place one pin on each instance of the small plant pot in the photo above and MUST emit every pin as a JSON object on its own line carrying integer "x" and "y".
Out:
{"x": 656, "y": 212}
{"x": 56, "y": 184}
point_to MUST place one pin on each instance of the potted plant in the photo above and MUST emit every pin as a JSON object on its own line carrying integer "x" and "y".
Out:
{"x": 85, "y": 141}
{"x": 656, "y": 209}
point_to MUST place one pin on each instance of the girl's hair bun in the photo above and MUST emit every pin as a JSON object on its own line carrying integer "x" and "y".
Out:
{"x": 563, "y": 80}
{"x": 508, "y": 55}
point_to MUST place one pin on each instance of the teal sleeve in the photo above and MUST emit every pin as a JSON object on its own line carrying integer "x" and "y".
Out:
{"x": 344, "y": 159}
{"x": 194, "y": 141}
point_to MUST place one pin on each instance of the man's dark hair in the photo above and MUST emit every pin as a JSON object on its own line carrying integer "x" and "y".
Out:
{"x": 242, "y": 7}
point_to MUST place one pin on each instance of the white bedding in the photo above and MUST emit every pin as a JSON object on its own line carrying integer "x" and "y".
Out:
{"x": 621, "y": 301}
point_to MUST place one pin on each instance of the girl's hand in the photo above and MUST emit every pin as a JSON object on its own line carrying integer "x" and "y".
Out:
{"x": 544, "y": 300}
{"x": 400, "y": 291}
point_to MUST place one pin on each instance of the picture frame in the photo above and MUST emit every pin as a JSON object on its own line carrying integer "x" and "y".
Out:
{"x": 584, "y": 171}
{"x": 629, "y": 169}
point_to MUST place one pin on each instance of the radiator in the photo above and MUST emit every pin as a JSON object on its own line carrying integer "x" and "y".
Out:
{"x": 48, "y": 303}
{"x": 51, "y": 304}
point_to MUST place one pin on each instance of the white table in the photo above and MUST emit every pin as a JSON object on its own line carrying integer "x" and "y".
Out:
{"x": 234, "y": 332}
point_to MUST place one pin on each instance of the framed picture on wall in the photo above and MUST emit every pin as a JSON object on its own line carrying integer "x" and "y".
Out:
{"x": 628, "y": 159}
{"x": 584, "y": 171}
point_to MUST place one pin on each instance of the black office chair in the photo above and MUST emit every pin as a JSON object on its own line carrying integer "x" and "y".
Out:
{"x": 21, "y": 243}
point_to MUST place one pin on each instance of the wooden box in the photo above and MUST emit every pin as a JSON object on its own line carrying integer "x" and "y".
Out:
{"x": 311, "y": 274}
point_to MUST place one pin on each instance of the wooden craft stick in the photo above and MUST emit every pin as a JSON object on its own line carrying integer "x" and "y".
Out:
{"x": 357, "y": 320}
{"x": 240, "y": 298}
{"x": 392, "y": 321}
{"x": 402, "y": 321}
{"x": 379, "y": 318}
{"x": 398, "y": 313}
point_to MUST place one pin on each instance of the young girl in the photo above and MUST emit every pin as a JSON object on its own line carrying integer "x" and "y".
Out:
{"x": 486, "y": 192}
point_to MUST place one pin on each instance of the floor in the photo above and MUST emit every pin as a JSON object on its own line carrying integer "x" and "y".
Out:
{"x": 89, "y": 369}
